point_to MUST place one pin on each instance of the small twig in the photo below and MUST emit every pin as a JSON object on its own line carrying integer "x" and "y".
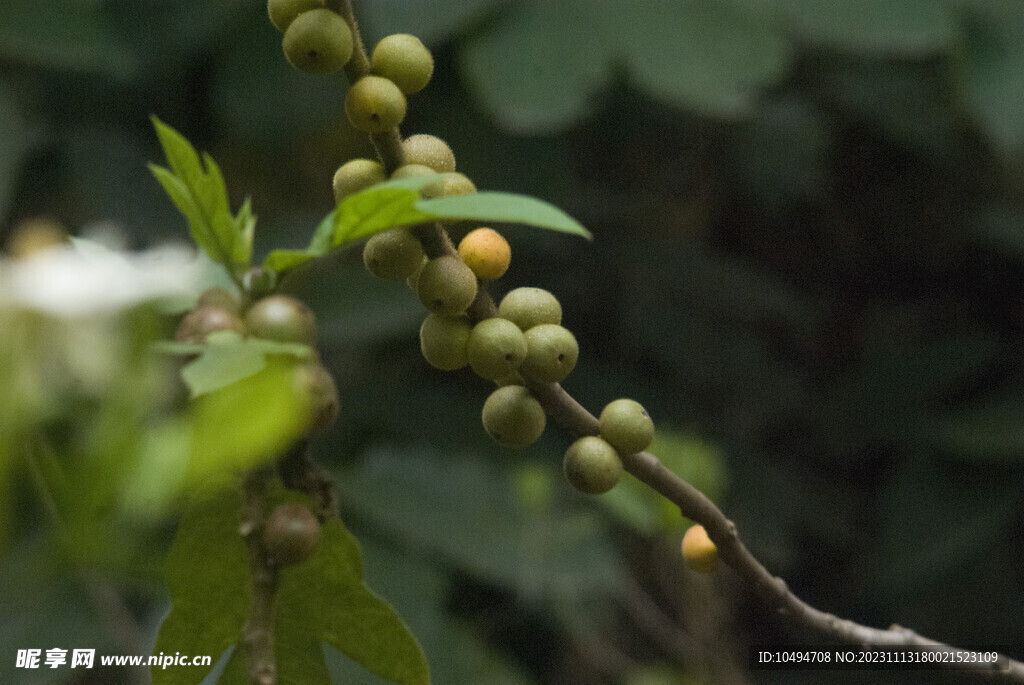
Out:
{"x": 258, "y": 633}
{"x": 300, "y": 472}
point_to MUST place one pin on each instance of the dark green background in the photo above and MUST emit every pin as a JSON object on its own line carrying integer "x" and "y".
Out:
{"x": 808, "y": 263}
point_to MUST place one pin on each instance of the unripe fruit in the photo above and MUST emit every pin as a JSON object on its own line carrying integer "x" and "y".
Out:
{"x": 395, "y": 254}
{"x": 699, "y": 551}
{"x": 355, "y": 175}
{"x": 592, "y": 465}
{"x": 403, "y": 59}
{"x": 627, "y": 426}
{"x": 318, "y": 42}
{"x": 283, "y": 12}
{"x": 449, "y": 186}
{"x": 529, "y": 307}
{"x": 291, "y": 534}
{"x": 513, "y": 417}
{"x": 443, "y": 341}
{"x": 446, "y": 285}
{"x": 496, "y": 348}
{"x": 283, "y": 319}
{"x": 374, "y": 104}
{"x": 486, "y": 252}
{"x": 219, "y": 297}
{"x": 411, "y": 171}
{"x": 551, "y": 353}
{"x": 314, "y": 383}
{"x": 200, "y": 322}
{"x": 429, "y": 151}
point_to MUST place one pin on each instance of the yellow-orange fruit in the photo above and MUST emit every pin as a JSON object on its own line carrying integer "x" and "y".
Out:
{"x": 486, "y": 252}
{"x": 699, "y": 551}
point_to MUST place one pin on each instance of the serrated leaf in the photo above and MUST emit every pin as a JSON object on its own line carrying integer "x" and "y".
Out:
{"x": 209, "y": 585}
{"x": 328, "y": 598}
{"x": 196, "y": 186}
{"x": 504, "y": 208}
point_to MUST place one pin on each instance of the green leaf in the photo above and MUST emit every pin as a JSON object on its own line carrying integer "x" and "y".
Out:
{"x": 398, "y": 203}
{"x": 320, "y": 600}
{"x": 198, "y": 189}
{"x": 504, "y": 208}
{"x": 227, "y": 358}
{"x": 465, "y": 510}
{"x": 327, "y": 599}
{"x": 991, "y": 67}
{"x": 909, "y": 28}
{"x": 703, "y": 55}
{"x": 531, "y": 75}
{"x": 64, "y": 35}
{"x": 209, "y": 585}
{"x": 378, "y": 208}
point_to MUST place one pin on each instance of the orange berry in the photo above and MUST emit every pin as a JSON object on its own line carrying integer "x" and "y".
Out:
{"x": 486, "y": 252}
{"x": 699, "y": 551}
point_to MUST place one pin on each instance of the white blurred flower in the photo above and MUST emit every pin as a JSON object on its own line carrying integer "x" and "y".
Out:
{"x": 86, "y": 279}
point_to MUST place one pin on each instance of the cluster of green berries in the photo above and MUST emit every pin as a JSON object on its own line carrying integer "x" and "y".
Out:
{"x": 276, "y": 317}
{"x": 319, "y": 41}
{"x": 526, "y": 341}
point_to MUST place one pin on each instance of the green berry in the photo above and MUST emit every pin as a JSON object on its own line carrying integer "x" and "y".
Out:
{"x": 291, "y": 534}
{"x": 450, "y": 185}
{"x": 411, "y": 171}
{"x": 446, "y": 285}
{"x": 551, "y": 354}
{"x": 627, "y": 426}
{"x": 374, "y": 104}
{"x": 394, "y": 254}
{"x": 318, "y": 42}
{"x": 314, "y": 384}
{"x": 592, "y": 465}
{"x": 283, "y": 12}
{"x": 443, "y": 341}
{"x": 355, "y": 175}
{"x": 403, "y": 59}
{"x": 513, "y": 417}
{"x": 529, "y": 307}
{"x": 200, "y": 322}
{"x": 429, "y": 151}
{"x": 281, "y": 318}
{"x": 219, "y": 297}
{"x": 496, "y": 348}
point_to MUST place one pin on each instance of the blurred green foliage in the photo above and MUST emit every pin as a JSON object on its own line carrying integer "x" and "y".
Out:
{"x": 808, "y": 265}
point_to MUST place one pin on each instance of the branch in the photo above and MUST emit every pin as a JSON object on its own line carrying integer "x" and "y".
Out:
{"x": 578, "y": 422}
{"x": 258, "y": 633}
